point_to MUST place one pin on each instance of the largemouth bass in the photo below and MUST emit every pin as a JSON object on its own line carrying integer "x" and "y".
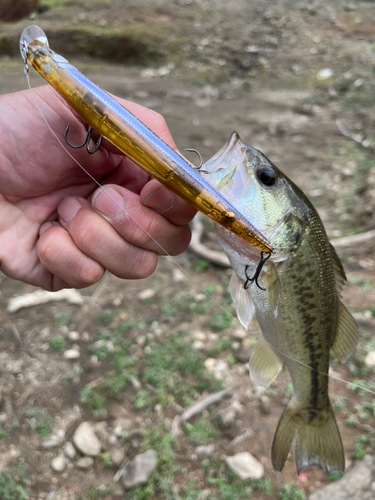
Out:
{"x": 295, "y": 298}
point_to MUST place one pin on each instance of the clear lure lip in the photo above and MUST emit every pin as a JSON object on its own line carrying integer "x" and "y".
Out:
{"x": 133, "y": 138}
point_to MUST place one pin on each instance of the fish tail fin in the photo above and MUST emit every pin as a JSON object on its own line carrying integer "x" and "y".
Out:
{"x": 318, "y": 440}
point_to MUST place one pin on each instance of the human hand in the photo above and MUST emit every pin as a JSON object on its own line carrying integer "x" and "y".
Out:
{"x": 57, "y": 230}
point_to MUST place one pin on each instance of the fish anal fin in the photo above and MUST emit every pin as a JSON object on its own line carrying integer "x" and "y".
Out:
{"x": 264, "y": 364}
{"x": 242, "y": 300}
{"x": 318, "y": 440}
{"x": 346, "y": 335}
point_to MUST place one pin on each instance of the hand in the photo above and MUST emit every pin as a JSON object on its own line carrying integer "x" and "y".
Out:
{"x": 57, "y": 230}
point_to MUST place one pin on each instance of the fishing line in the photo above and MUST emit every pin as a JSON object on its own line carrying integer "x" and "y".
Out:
{"x": 175, "y": 261}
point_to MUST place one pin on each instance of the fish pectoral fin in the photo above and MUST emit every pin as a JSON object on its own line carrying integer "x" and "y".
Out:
{"x": 346, "y": 335}
{"x": 318, "y": 441}
{"x": 264, "y": 364}
{"x": 242, "y": 300}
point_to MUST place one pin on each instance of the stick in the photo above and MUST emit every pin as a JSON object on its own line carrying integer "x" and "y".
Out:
{"x": 218, "y": 258}
{"x": 351, "y": 240}
{"x": 200, "y": 405}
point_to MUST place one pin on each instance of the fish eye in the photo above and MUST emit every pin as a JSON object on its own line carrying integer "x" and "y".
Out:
{"x": 266, "y": 175}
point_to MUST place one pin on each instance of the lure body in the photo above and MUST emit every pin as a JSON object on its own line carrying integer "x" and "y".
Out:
{"x": 114, "y": 122}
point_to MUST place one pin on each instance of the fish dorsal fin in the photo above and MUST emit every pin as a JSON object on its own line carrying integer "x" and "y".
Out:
{"x": 264, "y": 364}
{"x": 242, "y": 300}
{"x": 346, "y": 335}
{"x": 340, "y": 275}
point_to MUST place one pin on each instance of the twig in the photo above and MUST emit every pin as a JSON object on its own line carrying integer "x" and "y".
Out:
{"x": 200, "y": 405}
{"x": 351, "y": 240}
{"x": 354, "y": 137}
{"x": 218, "y": 258}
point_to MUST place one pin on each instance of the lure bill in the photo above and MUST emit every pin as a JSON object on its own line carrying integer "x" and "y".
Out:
{"x": 133, "y": 138}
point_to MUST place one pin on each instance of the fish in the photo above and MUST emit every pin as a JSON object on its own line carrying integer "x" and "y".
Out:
{"x": 294, "y": 294}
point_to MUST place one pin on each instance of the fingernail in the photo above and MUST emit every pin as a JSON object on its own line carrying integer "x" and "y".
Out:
{"x": 68, "y": 209}
{"x": 109, "y": 202}
{"x": 160, "y": 200}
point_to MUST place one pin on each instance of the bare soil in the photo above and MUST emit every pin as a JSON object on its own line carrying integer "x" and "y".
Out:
{"x": 247, "y": 66}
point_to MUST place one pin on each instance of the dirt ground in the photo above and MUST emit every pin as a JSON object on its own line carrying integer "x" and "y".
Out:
{"x": 250, "y": 66}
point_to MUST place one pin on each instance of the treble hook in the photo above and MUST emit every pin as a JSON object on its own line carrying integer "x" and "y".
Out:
{"x": 199, "y": 168}
{"x": 249, "y": 281}
{"x": 86, "y": 142}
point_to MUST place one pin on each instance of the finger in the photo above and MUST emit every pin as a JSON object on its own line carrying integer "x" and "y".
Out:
{"x": 154, "y": 195}
{"x": 95, "y": 237}
{"x": 61, "y": 257}
{"x": 138, "y": 224}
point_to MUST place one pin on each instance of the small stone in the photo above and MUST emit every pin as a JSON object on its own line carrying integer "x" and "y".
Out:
{"x": 117, "y": 457}
{"x": 242, "y": 355}
{"x": 58, "y": 463}
{"x": 229, "y": 416}
{"x": 198, "y": 345}
{"x": 199, "y": 335}
{"x": 55, "y": 439}
{"x": 74, "y": 336}
{"x": 69, "y": 450}
{"x": 324, "y": 74}
{"x": 148, "y": 293}
{"x": 245, "y": 466}
{"x": 205, "y": 450}
{"x": 370, "y": 359}
{"x": 265, "y": 405}
{"x": 240, "y": 333}
{"x": 179, "y": 276}
{"x": 71, "y": 354}
{"x": 85, "y": 462}
{"x": 137, "y": 471}
{"x": 86, "y": 440}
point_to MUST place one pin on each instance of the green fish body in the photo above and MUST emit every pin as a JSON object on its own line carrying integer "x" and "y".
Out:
{"x": 297, "y": 303}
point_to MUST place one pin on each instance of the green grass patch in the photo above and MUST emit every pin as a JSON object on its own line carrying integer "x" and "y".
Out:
{"x": 291, "y": 491}
{"x": 58, "y": 343}
{"x": 62, "y": 319}
{"x": 95, "y": 493}
{"x": 176, "y": 371}
{"x": 13, "y": 483}
{"x": 220, "y": 321}
{"x": 43, "y": 423}
{"x": 219, "y": 347}
{"x": 201, "y": 432}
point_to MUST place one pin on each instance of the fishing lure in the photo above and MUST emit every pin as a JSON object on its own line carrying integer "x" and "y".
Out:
{"x": 132, "y": 137}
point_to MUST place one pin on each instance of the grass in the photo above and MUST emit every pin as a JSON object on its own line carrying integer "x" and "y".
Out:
{"x": 220, "y": 321}
{"x": 201, "y": 432}
{"x": 57, "y": 343}
{"x": 176, "y": 371}
{"x": 94, "y": 493}
{"x": 13, "y": 482}
{"x": 43, "y": 423}
{"x": 161, "y": 480}
{"x": 290, "y": 491}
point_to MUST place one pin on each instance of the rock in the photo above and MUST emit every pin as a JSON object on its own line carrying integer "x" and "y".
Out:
{"x": 217, "y": 367}
{"x": 148, "y": 293}
{"x": 324, "y": 74}
{"x": 245, "y": 466}
{"x": 352, "y": 486}
{"x": 229, "y": 416}
{"x": 86, "y": 441}
{"x": 55, "y": 439}
{"x": 117, "y": 457}
{"x": 69, "y": 450}
{"x": 74, "y": 336}
{"x": 240, "y": 333}
{"x": 137, "y": 471}
{"x": 242, "y": 355}
{"x": 71, "y": 354}
{"x": 85, "y": 462}
{"x": 265, "y": 405}
{"x": 205, "y": 450}
{"x": 58, "y": 463}
{"x": 370, "y": 359}
{"x": 198, "y": 345}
